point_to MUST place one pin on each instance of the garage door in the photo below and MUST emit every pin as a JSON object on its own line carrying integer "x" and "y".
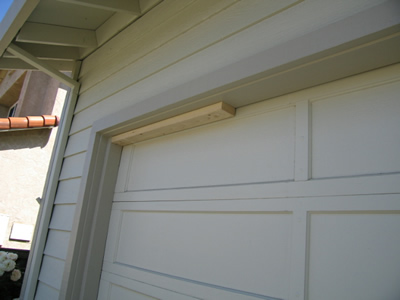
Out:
{"x": 295, "y": 197}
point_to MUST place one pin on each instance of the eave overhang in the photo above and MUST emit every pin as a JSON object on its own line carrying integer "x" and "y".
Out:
{"x": 61, "y": 32}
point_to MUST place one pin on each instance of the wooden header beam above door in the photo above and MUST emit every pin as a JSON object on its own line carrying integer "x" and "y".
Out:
{"x": 209, "y": 114}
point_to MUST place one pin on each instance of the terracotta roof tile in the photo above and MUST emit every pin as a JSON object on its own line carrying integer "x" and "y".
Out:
{"x": 29, "y": 122}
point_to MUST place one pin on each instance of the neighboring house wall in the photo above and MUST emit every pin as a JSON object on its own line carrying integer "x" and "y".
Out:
{"x": 25, "y": 156}
{"x": 10, "y": 89}
{"x": 172, "y": 45}
{"x": 3, "y": 110}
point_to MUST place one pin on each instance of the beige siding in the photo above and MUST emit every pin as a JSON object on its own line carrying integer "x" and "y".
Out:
{"x": 46, "y": 292}
{"x": 67, "y": 192}
{"x": 77, "y": 143}
{"x": 63, "y": 216}
{"x": 175, "y": 43}
{"x": 52, "y": 269}
{"x": 57, "y": 245}
{"x": 125, "y": 79}
{"x": 284, "y": 234}
{"x": 72, "y": 166}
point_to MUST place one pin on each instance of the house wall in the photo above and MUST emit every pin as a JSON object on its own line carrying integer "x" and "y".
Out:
{"x": 24, "y": 160}
{"x": 175, "y": 43}
{"x": 3, "y": 110}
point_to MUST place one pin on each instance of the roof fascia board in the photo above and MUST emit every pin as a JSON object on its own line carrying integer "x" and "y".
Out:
{"x": 42, "y": 66}
{"x": 15, "y": 17}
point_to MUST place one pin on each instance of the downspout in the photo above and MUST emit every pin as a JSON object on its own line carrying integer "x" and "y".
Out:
{"x": 49, "y": 191}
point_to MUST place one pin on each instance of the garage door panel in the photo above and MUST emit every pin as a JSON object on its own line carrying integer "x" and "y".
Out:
{"x": 349, "y": 252}
{"x": 258, "y": 148}
{"x": 220, "y": 248}
{"x": 357, "y": 133}
{"x": 217, "y": 212}
{"x": 184, "y": 288}
{"x": 345, "y": 186}
{"x": 115, "y": 287}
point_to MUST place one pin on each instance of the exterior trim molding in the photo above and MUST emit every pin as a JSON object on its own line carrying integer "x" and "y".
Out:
{"x": 31, "y": 277}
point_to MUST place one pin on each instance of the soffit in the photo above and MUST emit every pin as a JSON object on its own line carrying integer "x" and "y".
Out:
{"x": 60, "y": 32}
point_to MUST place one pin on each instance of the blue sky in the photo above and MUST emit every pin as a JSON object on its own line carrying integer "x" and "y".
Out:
{"x": 4, "y": 5}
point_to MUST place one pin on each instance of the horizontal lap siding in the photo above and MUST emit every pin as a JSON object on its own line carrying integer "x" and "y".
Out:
{"x": 57, "y": 244}
{"x": 56, "y": 247}
{"x": 67, "y": 191}
{"x": 46, "y": 292}
{"x": 190, "y": 47}
{"x": 176, "y": 42}
{"x": 52, "y": 269}
{"x": 77, "y": 143}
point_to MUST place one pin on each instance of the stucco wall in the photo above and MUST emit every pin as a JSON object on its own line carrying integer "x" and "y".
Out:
{"x": 24, "y": 159}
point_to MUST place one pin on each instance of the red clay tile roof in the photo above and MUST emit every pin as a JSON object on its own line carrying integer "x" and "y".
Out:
{"x": 28, "y": 122}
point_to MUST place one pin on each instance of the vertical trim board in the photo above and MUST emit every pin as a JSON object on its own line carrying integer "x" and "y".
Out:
{"x": 303, "y": 155}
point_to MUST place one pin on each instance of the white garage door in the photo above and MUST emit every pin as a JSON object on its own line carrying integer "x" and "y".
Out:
{"x": 294, "y": 198}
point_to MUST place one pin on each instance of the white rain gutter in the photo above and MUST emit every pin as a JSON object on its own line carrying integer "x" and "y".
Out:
{"x": 53, "y": 174}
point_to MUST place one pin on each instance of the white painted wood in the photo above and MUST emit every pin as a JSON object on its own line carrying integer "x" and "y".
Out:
{"x": 72, "y": 166}
{"x": 299, "y": 206}
{"x": 165, "y": 13}
{"x": 33, "y": 270}
{"x": 78, "y": 143}
{"x": 17, "y": 64}
{"x": 223, "y": 250}
{"x": 68, "y": 15}
{"x": 123, "y": 288}
{"x": 56, "y": 35}
{"x": 125, "y": 6}
{"x": 354, "y": 256}
{"x": 57, "y": 244}
{"x": 303, "y": 142}
{"x": 315, "y": 188}
{"x": 260, "y": 89}
{"x": 296, "y": 204}
{"x": 46, "y": 292}
{"x": 124, "y": 169}
{"x": 52, "y": 269}
{"x": 62, "y": 217}
{"x": 191, "y": 288}
{"x": 148, "y": 222}
{"x": 42, "y": 66}
{"x": 15, "y": 17}
{"x": 48, "y": 51}
{"x": 356, "y": 133}
{"x": 117, "y": 22}
{"x": 308, "y": 20}
{"x": 109, "y": 29}
{"x": 254, "y": 149}
{"x": 67, "y": 191}
{"x": 123, "y": 100}
{"x": 146, "y": 5}
{"x": 85, "y": 283}
{"x": 298, "y": 253}
{"x": 159, "y": 49}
